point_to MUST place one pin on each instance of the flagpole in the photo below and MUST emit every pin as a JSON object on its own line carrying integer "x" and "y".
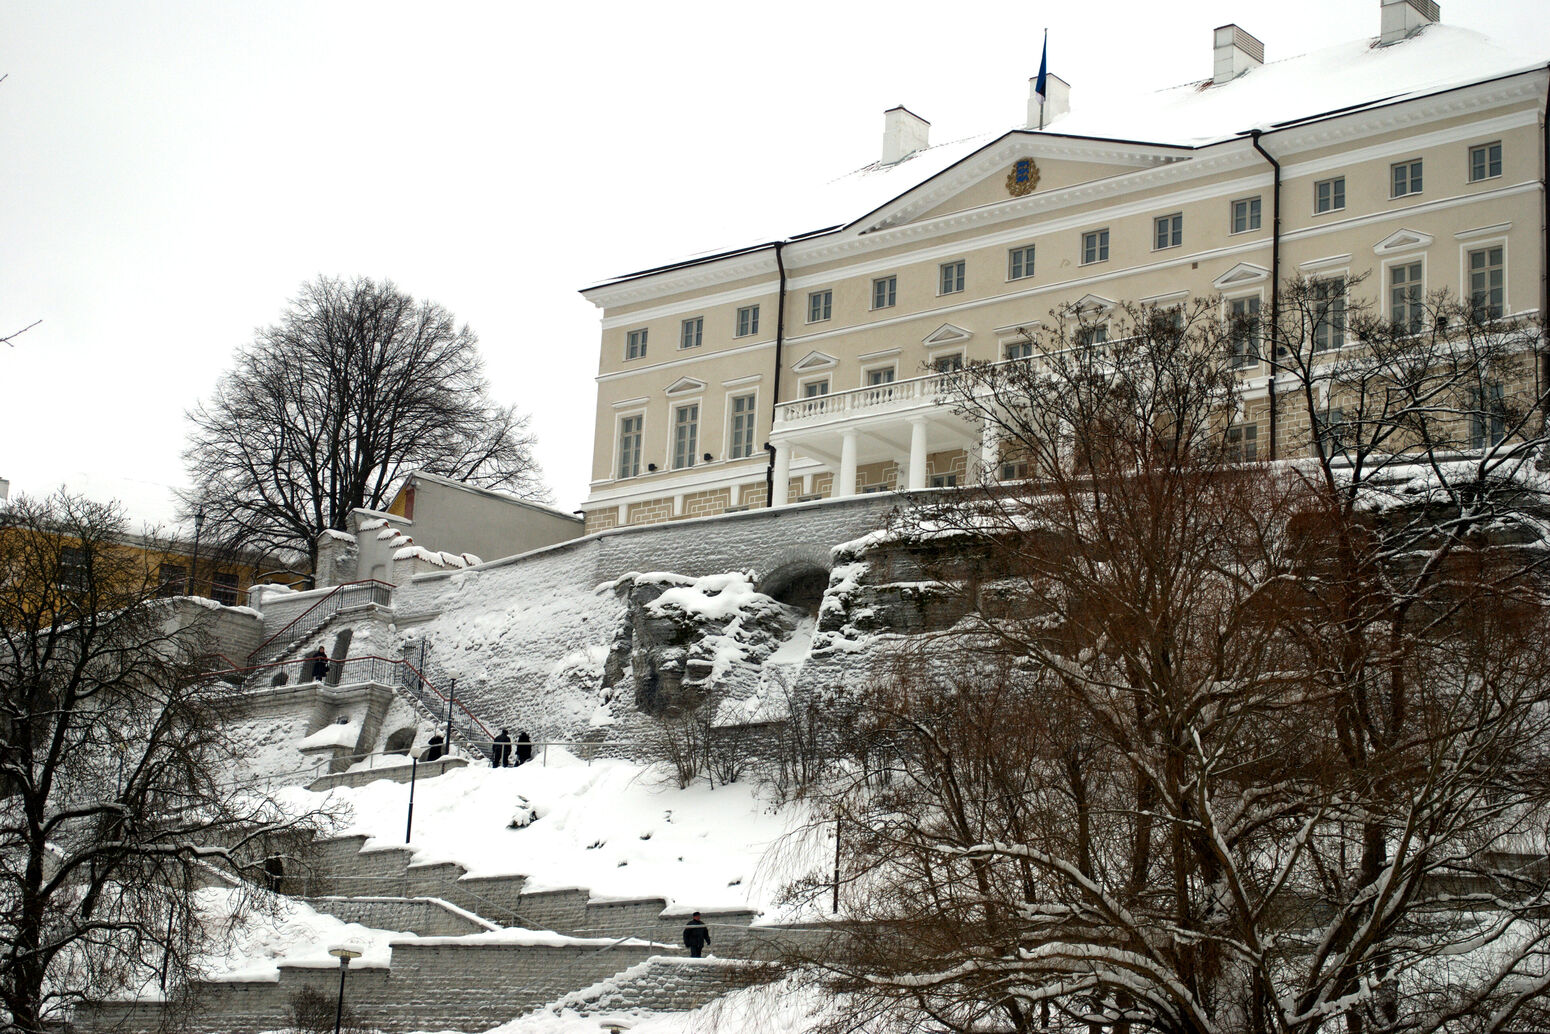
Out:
{"x": 1043, "y": 66}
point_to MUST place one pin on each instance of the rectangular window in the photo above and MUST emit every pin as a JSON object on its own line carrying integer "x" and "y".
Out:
{"x": 1405, "y": 297}
{"x": 1243, "y": 443}
{"x": 1243, "y": 324}
{"x": 1488, "y": 422}
{"x": 1167, "y": 231}
{"x": 1330, "y": 433}
{"x": 72, "y": 569}
{"x": 693, "y": 333}
{"x": 1328, "y": 315}
{"x": 944, "y": 480}
{"x": 223, "y": 588}
{"x": 885, "y": 292}
{"x": 1095, "y": 247}
{"x": 173, "y": 579}
{"x": 1019, "y": 263}
{"x": 1093, "y": 334}
{"x": 820, "y": 306}
{"x": 629, "y": 446}
{"x": 635, "y": 344}
{"x": 747, "y": 320}
{"x": 1405, "y": 178}
{"x": 1485, "y": 161}
{"x": 1329, "y": 195}
{"x": 741, "y": 445}
{"x": 948, "y": 363}
{"x": 881, "y": 375}
{"x": 1014, "y": 470}
{"x": 1486, "y": 283}
{"x": 1017, "y": 349}
{"x": 950, "y": 277}
{"x": 1245, "y": 215}
{"x": 686, "y": 435}
{"x": 813, "y": 389}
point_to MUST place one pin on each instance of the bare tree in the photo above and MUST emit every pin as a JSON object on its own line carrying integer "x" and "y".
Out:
{"x": 113, "y": 812}
{"x": 1220, "y": 745}
{"x": 328, "y": 410}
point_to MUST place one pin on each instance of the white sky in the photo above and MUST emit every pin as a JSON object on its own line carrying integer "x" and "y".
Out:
{"x": 170, "y": 173}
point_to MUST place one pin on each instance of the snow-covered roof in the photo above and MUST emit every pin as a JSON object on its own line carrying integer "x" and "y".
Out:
{"x": 1341, "y": 78}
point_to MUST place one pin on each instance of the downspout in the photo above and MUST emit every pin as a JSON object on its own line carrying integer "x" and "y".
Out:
{"x": 1543, "y": 366}
{"x": 780, "y": 344}
{"x": 1275, "y": 281}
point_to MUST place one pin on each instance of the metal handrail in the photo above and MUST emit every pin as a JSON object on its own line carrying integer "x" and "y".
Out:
{"x": 332, "y": 594}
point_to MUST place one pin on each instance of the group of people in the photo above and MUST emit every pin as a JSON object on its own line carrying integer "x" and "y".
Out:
{"x": 501, "y": 754}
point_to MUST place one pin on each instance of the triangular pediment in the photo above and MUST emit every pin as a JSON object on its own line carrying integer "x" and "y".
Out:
{"x": 1015, "y": 167}
{"x": 814, "y": 361}
{"x": 1241, "y": 275}
{"x": 946, "y": 334}
{"x": 1092, "y": 305}
{"x": 684, "y": 386}
{"x": 1401, "y": 241}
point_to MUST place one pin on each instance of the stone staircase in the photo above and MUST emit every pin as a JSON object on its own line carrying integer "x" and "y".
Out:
{"x": 663, "y": 984}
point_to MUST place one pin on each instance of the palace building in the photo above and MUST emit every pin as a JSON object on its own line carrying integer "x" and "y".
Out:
{"x": 809, "y": 367}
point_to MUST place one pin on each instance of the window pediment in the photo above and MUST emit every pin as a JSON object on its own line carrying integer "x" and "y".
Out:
{"x": 684, "y": 386}
{"x": 1403, "y": 240}
{"x": 1092, "y": 304}
{"x": 815, "y": 361}
{"x": 1241, "y": 275}
{"x": 946, "y": 334}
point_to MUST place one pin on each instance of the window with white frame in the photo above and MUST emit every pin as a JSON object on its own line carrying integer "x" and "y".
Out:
{"x": 1329, "y": 195}
{"x": 1405, "y": 178}
{"x": 947, "y": 363}
{"x": 1017, "y": 349}
{"x": 950, "y": 277}
{"x": 740, "y": 444}
{"x": 692, "y": 333}
{"x": 686, "y": 435}
{"x": 73, "y": 574}
{"x": 1328, "y": 314}
{"x": 1168, "y": 231}
{"x": 1485, "y": 161}
{"x": 1243, "y": 443}
{"x": 813, "y": 389}
{"x": 944, "y": 480}
{"x": 1488, "y": 416}
{"x": 1487, "y": 282}
{"x": 1245, "y": 214}
{"x": 1092, "y": 334}
{"x": 630, "y": 438}
{"x": 747, "y": 320}
{"x": 1331, "y": 433}
{"x": 635, "y": 344}
{"x": 1095, "y": 246}
{"x": 1019, "y": 263}
{"x": 879, "y": 375}
{"x": 223, "y": 588}
{"x": 885, "y": 292}
{"x": 820, "y": 305}
{"x": 1243, "y": 329}
{"x": 1014, "y": 470}
{"x": 1406, "y": 297}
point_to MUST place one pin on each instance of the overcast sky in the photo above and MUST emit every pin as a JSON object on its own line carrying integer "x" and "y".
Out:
{"x": 170, "y": 173}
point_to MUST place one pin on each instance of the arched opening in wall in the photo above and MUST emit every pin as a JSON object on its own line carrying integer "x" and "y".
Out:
{"x": 400, "y": 741}
{"x": 799, "y": 584}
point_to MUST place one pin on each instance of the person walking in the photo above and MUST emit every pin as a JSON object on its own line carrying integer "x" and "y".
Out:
{"x": 696, "y": 936}
{"x": 319, "y": 660}
{"x": 500, "y": 751}
{"x": 524, "y": 747}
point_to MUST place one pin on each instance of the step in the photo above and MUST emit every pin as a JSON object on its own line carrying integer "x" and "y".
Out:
{"x": 665, "y": 984}
{"x": 427, "y": 917}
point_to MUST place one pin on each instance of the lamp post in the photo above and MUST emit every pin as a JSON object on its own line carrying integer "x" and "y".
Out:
{"x": 614, "y": 1025}
{"x": 193, "y": 564}
{"x": 344, "y": 953}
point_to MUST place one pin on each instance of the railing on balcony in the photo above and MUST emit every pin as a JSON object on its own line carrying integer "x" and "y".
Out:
{"x": 873, "y": 396}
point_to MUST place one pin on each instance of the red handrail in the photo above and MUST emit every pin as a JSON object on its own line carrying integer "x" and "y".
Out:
{"x": 321, "y": 600}
{"x": 426, "y": 683}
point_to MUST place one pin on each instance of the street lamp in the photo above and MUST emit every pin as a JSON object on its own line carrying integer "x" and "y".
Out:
{"x": 344, "y": 953}
{"x": 614, "y": 1025}
{"x": 193, "y": 564}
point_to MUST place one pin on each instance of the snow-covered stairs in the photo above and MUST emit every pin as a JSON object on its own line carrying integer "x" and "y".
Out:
{"x": 663, "y": 984}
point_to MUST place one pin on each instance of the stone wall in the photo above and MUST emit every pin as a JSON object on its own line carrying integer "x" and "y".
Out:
{"x": 428, "y": 917}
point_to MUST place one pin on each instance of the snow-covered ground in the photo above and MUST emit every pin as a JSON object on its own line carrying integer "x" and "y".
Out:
{"x": 616, "y": 828}
{"x": 781, "y": 1008}
{"x": 295, "y": 935}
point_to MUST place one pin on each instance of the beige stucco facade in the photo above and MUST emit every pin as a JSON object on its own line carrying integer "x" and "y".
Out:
{"x": 849, "y": 438}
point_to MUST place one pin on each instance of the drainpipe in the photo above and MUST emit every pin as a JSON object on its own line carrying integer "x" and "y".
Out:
{"x": 1275, "y": 280}
{"x": 780, "y": 343}
{"x": 1544, "y": 248}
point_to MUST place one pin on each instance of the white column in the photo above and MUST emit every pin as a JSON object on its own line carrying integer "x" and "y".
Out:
{"x": 847, "y": 484}
{"x": 988, "y": 451}
{"x": 917, "y": 472}
{"x": 782, "y": 476}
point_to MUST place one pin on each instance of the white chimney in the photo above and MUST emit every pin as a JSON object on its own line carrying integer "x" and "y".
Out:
{"x": 1233, "y": 52}
{"x": 1401, "y": 18}
{"x": 5, "y": 490}
{"x": 904, "y": 133}
{"x": 1056, "y": 103}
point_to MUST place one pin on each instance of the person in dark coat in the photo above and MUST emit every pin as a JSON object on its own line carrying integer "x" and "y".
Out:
{"x": 524, "y": 747}
{"x": 500, "y": 752}
{"x": 319, "y": 664}
{"x": 696, "y": 936}
{"x": 435, "y": 749}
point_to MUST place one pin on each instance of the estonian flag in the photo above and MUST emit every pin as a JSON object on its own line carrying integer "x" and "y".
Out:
{"x": 1039, "y": 84}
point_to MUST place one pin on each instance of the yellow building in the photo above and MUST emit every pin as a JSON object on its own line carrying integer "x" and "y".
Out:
{"x": 805, "y": 368}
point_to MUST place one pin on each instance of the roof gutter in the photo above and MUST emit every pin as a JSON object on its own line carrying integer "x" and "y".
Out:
{"x": 1275, "y": 280}
{"x": 780, "y": 344}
